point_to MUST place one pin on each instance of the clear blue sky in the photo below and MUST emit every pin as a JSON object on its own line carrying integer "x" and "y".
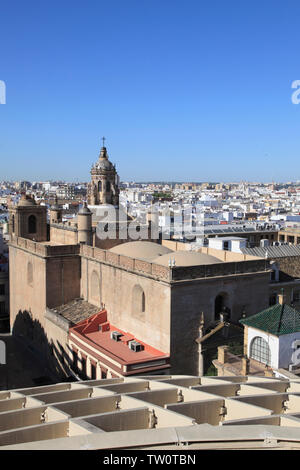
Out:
{"x": 182, "y": 90}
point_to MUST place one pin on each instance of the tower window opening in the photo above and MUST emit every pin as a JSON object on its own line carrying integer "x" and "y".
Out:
{"x": 32, "y": 224}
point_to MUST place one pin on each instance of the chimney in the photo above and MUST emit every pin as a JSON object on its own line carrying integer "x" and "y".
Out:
{"x": 223, "y": 354}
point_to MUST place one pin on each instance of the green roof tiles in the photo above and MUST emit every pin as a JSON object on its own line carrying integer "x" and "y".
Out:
{"x": 277, "y": 320}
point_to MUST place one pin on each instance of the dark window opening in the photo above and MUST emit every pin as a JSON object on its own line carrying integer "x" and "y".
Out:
{"x": 32, "y": 224}
{"x": 75, "y": 361}
{"x": 221, "y": 308}
{"x": 83, "y": 367}
{"x": 93, "y": 371}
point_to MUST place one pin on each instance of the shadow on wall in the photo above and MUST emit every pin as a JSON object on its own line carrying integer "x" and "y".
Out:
{"x": 53, "y": 357}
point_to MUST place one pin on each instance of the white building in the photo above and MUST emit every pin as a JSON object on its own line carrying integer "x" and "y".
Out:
{"x": 273, "y": 336}
{"x": 228, "y": 243}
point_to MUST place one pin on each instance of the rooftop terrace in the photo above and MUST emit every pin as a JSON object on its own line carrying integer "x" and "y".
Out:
{"x": 167, "y": 412}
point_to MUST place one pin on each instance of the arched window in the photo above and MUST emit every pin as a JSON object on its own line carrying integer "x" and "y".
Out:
{"x": 13, "y": 224}
{"x": 260, "y": 351}
{"x": 29, "y": 274}
{"x": 138, "y": 302}
{"x": 107, "y": 186}
{"x": 95, "y": 287}
{"x": 32, "y": 224}
{"x": 99, "y": 186}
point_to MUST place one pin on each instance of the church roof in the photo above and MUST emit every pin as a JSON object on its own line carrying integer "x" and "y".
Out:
{"x": 280, "y": 319}
{"x": 76, "y": 310}
{"x": 141, "y": 249}
{"x": 103, "y": 162}
{"x": 187, "y": 258}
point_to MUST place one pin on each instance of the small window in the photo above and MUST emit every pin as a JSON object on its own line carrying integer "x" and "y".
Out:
{"x": 260, "y": 351}
{"x": 138, "y": 302}
{"x": 32, "y": 224}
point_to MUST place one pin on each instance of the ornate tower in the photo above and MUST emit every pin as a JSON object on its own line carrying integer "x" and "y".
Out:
{"x": 104, "y": 185}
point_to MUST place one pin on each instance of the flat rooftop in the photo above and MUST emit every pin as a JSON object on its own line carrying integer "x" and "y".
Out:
{"x": 98, "y": 331}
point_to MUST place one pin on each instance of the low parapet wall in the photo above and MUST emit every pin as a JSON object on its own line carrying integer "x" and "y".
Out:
{"x": 166, "y": 273}
{"x": 44, "y": 250}
{"x": 57, "y": 319}
{"x": 219, "y": 269}
{"x": 126, "y": 262}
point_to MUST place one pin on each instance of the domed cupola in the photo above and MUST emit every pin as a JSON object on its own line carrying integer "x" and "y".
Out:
{"x": 104, "y": 185}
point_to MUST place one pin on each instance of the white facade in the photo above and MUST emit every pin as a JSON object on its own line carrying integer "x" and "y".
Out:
{"x": 228, "y": 243}
{"x": 271, "y": 340}
{"x": 283, "y": 348}
{"x": 287, "y": 347}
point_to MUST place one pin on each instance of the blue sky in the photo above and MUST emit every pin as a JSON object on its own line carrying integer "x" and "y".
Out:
{"x": 182, "y": 90}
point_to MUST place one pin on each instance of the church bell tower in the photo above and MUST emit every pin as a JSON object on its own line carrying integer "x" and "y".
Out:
{"x": 104, "y": 185}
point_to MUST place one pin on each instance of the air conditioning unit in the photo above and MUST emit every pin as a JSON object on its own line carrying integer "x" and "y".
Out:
{"x": 116, "y": 335}
{"x": 135, "y": 346}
